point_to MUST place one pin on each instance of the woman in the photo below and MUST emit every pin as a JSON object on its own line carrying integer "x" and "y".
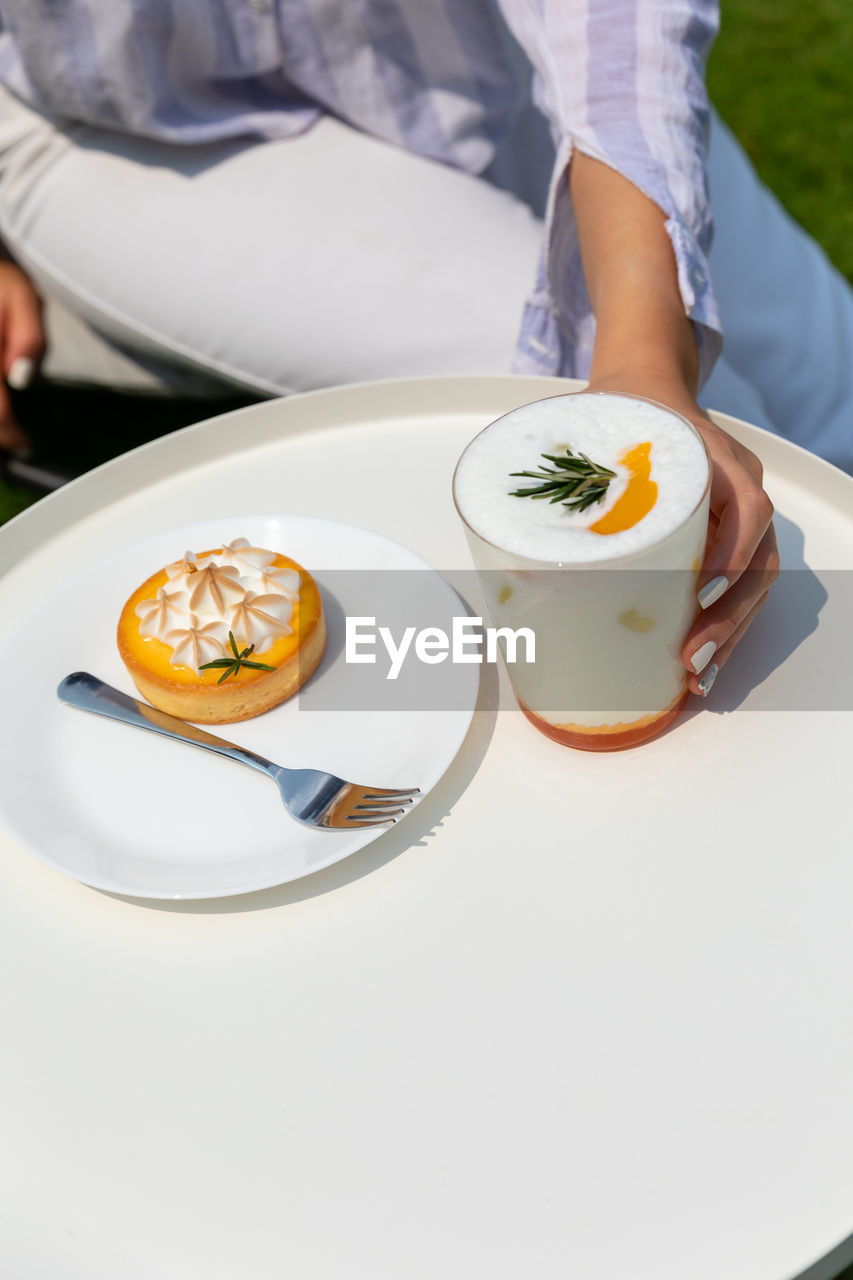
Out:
{"x": 378, "y": 229}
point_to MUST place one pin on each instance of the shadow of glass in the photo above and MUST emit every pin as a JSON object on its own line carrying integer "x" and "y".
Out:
{"x": 795, "y": 655}
{"x": 792, "y": 658}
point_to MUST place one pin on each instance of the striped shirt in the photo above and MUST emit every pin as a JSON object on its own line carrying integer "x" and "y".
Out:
{"x": 621, "y": 80}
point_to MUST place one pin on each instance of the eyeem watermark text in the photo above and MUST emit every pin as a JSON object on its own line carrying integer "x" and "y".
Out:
{"x": 432, "y": 645}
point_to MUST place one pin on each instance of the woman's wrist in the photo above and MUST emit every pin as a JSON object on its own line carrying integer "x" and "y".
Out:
{"x": 646, "y": 338}
{"x": 666, "y": 386}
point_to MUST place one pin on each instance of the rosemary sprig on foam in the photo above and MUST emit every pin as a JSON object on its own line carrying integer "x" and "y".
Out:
{"x": 233, "y": 665}
{"x": 573, "y": 480}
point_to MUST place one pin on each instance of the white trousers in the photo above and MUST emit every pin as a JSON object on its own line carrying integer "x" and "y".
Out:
{"x": 332, "y": 258}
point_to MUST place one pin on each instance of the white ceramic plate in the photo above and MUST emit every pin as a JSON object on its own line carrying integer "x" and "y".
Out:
{"x": 137, "y": 814}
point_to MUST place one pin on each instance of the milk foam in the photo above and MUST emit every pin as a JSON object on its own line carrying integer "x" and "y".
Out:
{"x": 602, "y": 426}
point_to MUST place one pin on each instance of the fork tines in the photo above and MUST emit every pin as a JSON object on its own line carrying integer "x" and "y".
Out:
{"x": 376, "y": 808}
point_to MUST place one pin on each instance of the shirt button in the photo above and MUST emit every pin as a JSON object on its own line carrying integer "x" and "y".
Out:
{"x": 259, "y": 6}
{"x": 698, "y": 279}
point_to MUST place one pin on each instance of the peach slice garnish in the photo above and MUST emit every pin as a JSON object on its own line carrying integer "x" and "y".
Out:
{"x": 639, "y": 497}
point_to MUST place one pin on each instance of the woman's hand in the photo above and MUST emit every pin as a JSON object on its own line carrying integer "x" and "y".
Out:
{"x": 21, "y": 345}
{"x": 741, "y": 558}
{"x": 645, "y": 345}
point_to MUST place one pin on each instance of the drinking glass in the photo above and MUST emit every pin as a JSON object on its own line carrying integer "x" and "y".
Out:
{"x": 607, "y": 671}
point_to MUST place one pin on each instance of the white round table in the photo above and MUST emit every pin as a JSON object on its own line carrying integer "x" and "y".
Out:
{"x": 578, "y": 1016}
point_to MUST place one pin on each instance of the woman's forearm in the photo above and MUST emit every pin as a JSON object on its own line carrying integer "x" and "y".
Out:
{"x": 645, "y": 345}
{"x": 641, "y": 328}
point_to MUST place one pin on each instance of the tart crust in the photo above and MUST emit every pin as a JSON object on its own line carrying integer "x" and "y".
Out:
{"x": 196, "y": 695}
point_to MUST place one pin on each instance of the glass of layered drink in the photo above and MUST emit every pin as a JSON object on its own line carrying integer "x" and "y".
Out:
{"x": 587, "y": 515}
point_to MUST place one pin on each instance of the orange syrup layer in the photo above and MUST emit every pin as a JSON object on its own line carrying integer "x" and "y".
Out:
{"x": 639, "y": 497}
{"x": 609, "y": 737}
{"x": 156, "y": 656}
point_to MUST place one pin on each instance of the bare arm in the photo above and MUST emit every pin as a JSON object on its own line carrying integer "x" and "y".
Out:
{"x": 645, "y": 344}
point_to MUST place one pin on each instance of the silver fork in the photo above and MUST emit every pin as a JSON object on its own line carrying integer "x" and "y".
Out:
{"x": 311, "y": 796}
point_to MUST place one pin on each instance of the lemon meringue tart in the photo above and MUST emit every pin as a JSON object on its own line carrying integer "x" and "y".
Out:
{"x": 223, "y": 635}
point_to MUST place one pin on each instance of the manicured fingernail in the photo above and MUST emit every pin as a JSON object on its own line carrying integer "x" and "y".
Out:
{"x": 21, "y": 374}
{"x": 703, "y": 656}
{"x": 708, "y": 679}
{"x": 712, "y": 591}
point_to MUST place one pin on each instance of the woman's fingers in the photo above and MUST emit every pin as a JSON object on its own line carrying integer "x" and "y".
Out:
{"x": 21, "y": 327}
{"x": 704, "y": 682}
{"x": 719, "y": 628}
{"x": 741, "y": 558}
{"x": 21, "y": 346}
{"x": 743, "y": 514}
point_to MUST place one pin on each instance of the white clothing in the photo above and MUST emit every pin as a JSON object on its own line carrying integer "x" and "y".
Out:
{"x": 442, "y": 79}
{"x": 232, "y": 258}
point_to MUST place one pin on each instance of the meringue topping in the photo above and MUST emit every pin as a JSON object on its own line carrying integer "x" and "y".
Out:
{"x": 259, "y": 620}
{"x": 280, "y": 581}
{"x": 165, "y": 611}
{"x": 245, "y": 557}
{"x": 215, "y": 588}
{"x": 181, "y": 568}
{"x": 197, "y": 643}
{"x": 238, "y": 588}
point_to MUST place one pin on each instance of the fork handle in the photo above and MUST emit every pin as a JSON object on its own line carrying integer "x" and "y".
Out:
{"x": 88, "y": 693}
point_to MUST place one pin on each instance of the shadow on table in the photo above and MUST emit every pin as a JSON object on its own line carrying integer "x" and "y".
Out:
{"x": 781, "y": 664}
{"x": 794, "y": 656}
{"x": 416, "y": 832}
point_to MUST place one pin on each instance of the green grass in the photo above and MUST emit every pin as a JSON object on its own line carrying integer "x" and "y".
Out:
{"x": 779, "y": 74}
{"x": 13, "y": 499}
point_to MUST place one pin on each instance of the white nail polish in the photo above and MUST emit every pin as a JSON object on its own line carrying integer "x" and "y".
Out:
{"x": 712, "y": 591}
{"x": 21, "y": 374}
{"x": 708, "y": 679}
{"x": 703, "y": 656}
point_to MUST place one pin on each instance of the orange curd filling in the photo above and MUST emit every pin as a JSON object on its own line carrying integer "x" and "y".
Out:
{"x": 156, "y": 656}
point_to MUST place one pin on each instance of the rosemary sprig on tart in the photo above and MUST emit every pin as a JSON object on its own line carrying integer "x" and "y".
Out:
{"x": 233, "y": 665}
{"x": 574, "y": 480}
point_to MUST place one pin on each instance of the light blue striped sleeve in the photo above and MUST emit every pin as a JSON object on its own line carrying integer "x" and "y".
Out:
{"x": 622, "y": 81}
